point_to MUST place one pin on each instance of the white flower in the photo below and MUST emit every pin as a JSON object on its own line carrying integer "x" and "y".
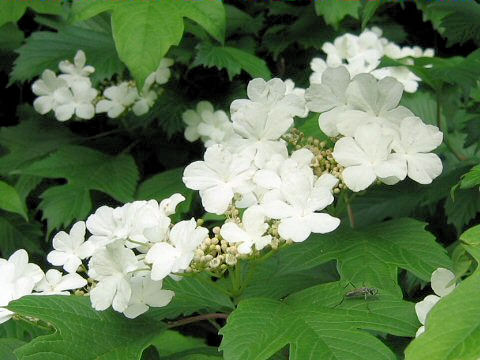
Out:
{"x": 118, "y": 97}
{"x": 263, "y": 118}
{"x": 407, "y": 78}
{"x": 146, "y": 98}
{"x": 175, "y": 257}
{"x": 110, "y": 266}
{"x": 300, "y": 92}
{"x": 54, "y": 283}
{"x": 108, "y": 225}
{"x": 47, "y": 89}
{"x": 250, "y": 233}
{"x": 17, "y": 278}
{"x": 70, "y": 249}
{"x": 414, "y": 145}
{"x": 330, "y": 93}
{"x": 219, "y": 177}
{"x": 296, "y": 203}
{"x": 146, "y": 293}
{"x": 76, "y": 100}
{"x": 77, "y": 72}
{"x": 442, "y": 284}
{"x": 213, "y": 127}
{"x": 366, "y": 157}
{"x": 163, "y": 73}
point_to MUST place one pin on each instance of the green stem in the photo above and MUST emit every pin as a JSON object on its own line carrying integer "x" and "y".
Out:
{"x": 197, "y": 318}
{"x": 351, "y": 215}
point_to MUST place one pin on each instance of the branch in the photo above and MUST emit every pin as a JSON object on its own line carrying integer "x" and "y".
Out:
{"x": 193, "y": 319}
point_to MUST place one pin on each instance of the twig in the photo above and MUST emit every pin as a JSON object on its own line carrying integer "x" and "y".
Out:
{"x": 193, "y": 319}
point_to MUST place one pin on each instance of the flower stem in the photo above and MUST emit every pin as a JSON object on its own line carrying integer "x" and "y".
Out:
{"x": 351, "y": 215}
{"x": 193, "y": 319}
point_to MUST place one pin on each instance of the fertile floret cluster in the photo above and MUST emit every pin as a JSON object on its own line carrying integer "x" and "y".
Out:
{"x": 71, "y": 93}
{"x": 362, "y": 54}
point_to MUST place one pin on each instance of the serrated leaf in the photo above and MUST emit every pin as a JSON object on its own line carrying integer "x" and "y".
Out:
{"x": 109, "y": 335}
{"x": 31, "y": 140}
{"x": 463, "y": 207}
{"x": 86, "y": 168}
{"x": 194, "y": 294}
{"x": 45, "y": 49}
{"x": 63, "y": 204}
{"x": 7, "y": 346}
{"x": 165, "y": 184}
{"x": 423, "y": 105}
{"x": 471, "y": 179}
{"x": 315, "y": 327}
{"x": 172, "y": 345}
{"x": 334, "y": 11}
{"x": 461, "y": 21}
{"x": 11, "y": 37}
{"x": 231, "y": 59}
{"x": 371, "y": 255}
{"x": 16, "y": 233}
{"x": 460, "y": 339}
{"x": 470, "y": 240}
{"x": 11, "y": 201}
{"x": 145, "y": 30}
{"x": 12, "y": 11}
{"x": 368, "y": 11}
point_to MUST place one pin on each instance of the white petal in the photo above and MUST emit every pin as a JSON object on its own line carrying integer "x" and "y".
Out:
{"x": 233, "y": 233}
{"x": 358, "y": 178}
{"x": 43, "y": 104}
{"x": 441, "y": 278}
{"x": 295, "y": 229}
{"x": 423, "y": 307}
{"x": 216, "y": 199}
{"x": 423, "y": 168}
{"x": 347, "y": 152}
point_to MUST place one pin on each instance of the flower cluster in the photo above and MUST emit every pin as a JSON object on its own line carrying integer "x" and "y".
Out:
{"x": 375, "y": 137}
{"x": 362, "y": 54}
{"x": 129, "y": 252}
{"x": 443, "y": 283}
{"x": 253, "y": 169}
{"x": 71, "y": 93}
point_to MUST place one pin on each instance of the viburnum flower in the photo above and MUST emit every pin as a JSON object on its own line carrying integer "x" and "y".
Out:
{"x": 442, "y": 284}
{"x": 251, "y": 232}
{"x": 263, "y": 118}
{"x": 18, "y": 277}
{"x": 163, "y": 73}
{"x": 146, "y": 98}
{"x": 414, "y": 145}
{"x": 70, "y": 249}
{"x": 366, "y": 157}
{"x": 55, "y": 283}
{"x": 47, "y": 88}
{"x": 77, "y": 72}
{"x": 175, "y": 256}
{"x": 292, "y": 89}
{"x": 118, "y": 98}
{"x": 108, "y": 225}
{"x": 110, "y": 266}
{"x": 146, "y": 293}
{"x": 76, "y": 100}
{"x": 297, "y": 203}
{"x": 219, "y": 177}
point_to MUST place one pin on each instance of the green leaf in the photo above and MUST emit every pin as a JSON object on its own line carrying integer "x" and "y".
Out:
{"x": 31, "y": 140}
{"x": 10, "y": 200}
{"x": 11, "y": 37}
{"x": 196, "y": 293}
{"x": 423, "y": 105}
{"x": 16, "y": 233}
{"x": 463, "y": 207}
{"x": 86, "y": 168}
{"x": 309, "y": 126}
{"x": 471, "y": 179}
{"x": 145, "y": 30}
{"x": 315, "y": 326}
{"x": 460, "y": 338}
{"x": 461, "y": 21}
{"x": 471, "y": 242}
{"x": 63, "y": 204}
{"x": 165, "y": 184}
{"x": 371, "y": 255}
{"x": 45, "y": 49}
{"x": 231, "y": 59}
{"x": 334, "y": 11}
{"x": 82, "y": 332}
{"x": 369, "y": 10}
{"x": 173, "y": 345}
{"x": 7, "y": 346}
{"x": 12, "y": 11}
